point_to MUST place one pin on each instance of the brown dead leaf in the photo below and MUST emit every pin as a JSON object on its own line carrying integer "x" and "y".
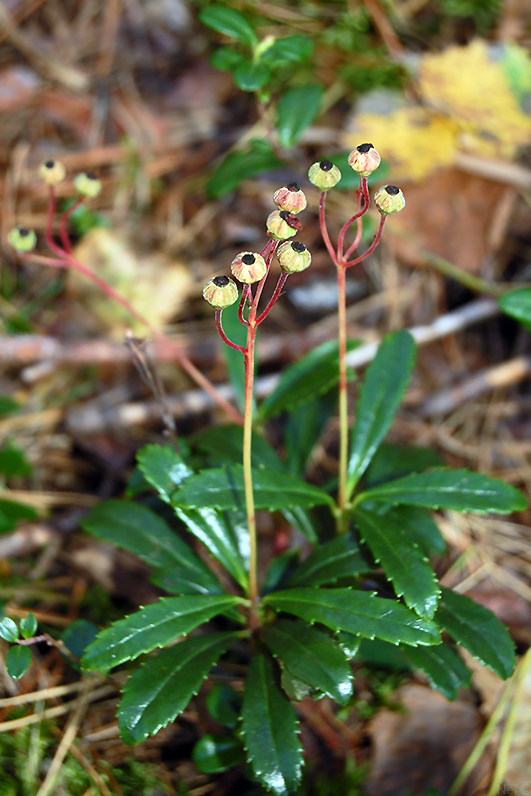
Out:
{"x": 425, "y": 747}
{"x": 155, "y": 285}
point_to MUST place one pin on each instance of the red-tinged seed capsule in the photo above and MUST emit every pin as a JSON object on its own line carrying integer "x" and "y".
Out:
{"x": 293, "y": 257}
{"x": 220, "y": 292}
{"x": 52, "y": 172}
{"x": 281, "y": 225}
{"x": 389, "y": 199}
{"x": 290, "y": 198}
{"x": 248, "y": 267}
{"x": 364, "y": 159}
{"x": 22, "y": 239}
{"x": 87, "y": 185}
{"x": 324, "y": 175}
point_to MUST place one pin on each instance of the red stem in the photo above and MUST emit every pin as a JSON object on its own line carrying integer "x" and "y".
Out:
{"x": 48, "y": 234}
{"x": 267, "y": 254}
{"x": 324, "y": 231}
{"x": 63, "y": 221}
{"x": 362, "y": 192}
{"x": 245, "y": 295}
{"x": 224, "y": 336}
{"x": 280, "y": 284}
{"x": 372, "y": 247}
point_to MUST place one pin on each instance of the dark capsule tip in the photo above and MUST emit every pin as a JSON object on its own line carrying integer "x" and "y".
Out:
{"x": 326, "y": 165}
{"x": 298, "y": 247}
{"x": 91, "y": 176}
{"x": 248, "y": 259}
{"x": 363, "y": 148}
{"x": 293, "y": 187}
{"x": 23, "y": 232}
{"x": 221, "y": 281}
{"x": 285, "y": 215}
{"x": 50, "y": 164}
{"x": 392, "y": 190}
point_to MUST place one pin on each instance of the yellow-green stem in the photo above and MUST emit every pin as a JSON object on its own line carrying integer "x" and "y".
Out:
{"x": 247, "y": 472}
{"x": 342, "y": 519}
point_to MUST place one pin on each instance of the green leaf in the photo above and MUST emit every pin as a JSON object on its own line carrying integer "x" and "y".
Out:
{"x": 225, "y": 59}
{"x": 13, "y": 462}
{"x": 278, "y": 570}
{"x": 223, "y": 488}
{"x": 393, "y": 461}
{"x": 421, "y": 528}
{"x": 312, "y": 657}
{"x": 8, "y": 629}
{"x": 269, "y": 727}
{"x": 304, "y": 426}
{"x": 28, "y": 626}
{"x": 12, "y": 513}
{"x": 163, "y": 686}
{"x": 290, "y": 50}
{"x": 213, "y": 754}
{"x": 181, "y": 580}
{"x": 331, "y": 561}
{"x": 250, "y": 76}
{"x": 228, "y": 21}
{"x": 18, "y": 661}
{"x": 402, "y": 560}
{"x": 315, "y": 373}
{"x": 153, "y": 626}
{"x": 517, "y": 304}
{"x": 443, "y": 667}
{"x": 380, "y": 395}
{"x": 136, "y": 528}
{"x": 164, "y": 469}
{"x": 224, "y": 445}
{"x": 78, "y": 635}
{"x": 234, "y": 360}
{"x": 241, "y": 165}
{"x": 297, "y": 109}
{"x": 224, "y": 704}
{"x": 457, "y": 490}
{"x": 477, "y": 629}
{"x": 8, "y": 405}
{"x": 356, "y": 612}
{"x": 301, "y": 519}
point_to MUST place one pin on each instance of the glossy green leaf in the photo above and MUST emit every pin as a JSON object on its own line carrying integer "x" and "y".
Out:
{"x": 8, "y": 629}
{"x": 213, "y": 754}
{"x": 315, "y": 373}
{"x": 517, "y": 304}
{"x": 304, "y": 427}
{"x": 163, "y": 686}
{"x": 223, "y": 488}
{"x": 11, "y": 513}
{"x": 258, "y": 157}
{"x": 13, "y": 462}
{"x": 301, "y": 519}
{"x": 153, "y": 626}
{"x": 331, "y": 561}
{"x": 380, "y": 395}
{"x": 224, "y": 704}
{"x": 78, "y": 635}
{"x": 402, "y": 560}
{"x": 393, "y": 461}
{"x": 224, "y": 444}
{"x": 477, "y": 629}
{"x": 181, "y": 580}
{"x": 312, "y": 657}
{"x": 8, "y": 405}
{"x": 164, "y": 469}
{"x": 28, "y": 626}
{"x": 442, "y": 666}
{"x": 250, "y": 76}
{"x": 421, "y": 528}
{"x": 297, "y": 109}
{"x": 229, "y": 22}
{"x": 290, "y": 50}
{"x": 458, "y": 490}
{"x": 18, "y": 661}
{"x": 225, "y": 59}
{"x": 356, "y": 612}
{"x": 269, "y": 727}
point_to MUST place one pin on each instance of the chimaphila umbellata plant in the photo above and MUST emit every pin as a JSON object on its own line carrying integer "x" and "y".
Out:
{"x": 295, "y": 632}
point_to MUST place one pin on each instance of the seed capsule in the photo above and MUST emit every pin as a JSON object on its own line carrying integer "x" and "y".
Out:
{"x": 248, "y": 267}
{"x": 290, "y": 198}
{"x": 87, "y": 185}
{"x": 220, "y": 292}
{"x": 364, "y": 159}
{"x": 389, "y": 199}
{"x": 52, "y": 172}
{"x": 22, "y": 239}
{"x": 293, "y": 257}
{"x": 324, "y": 175}
{"x": 279, "y": 226}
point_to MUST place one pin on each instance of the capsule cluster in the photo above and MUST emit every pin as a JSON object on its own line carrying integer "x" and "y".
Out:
{"x": 250, "y": 267}
{"x": 363, "y": 160}
{"x": 52, "y": 173}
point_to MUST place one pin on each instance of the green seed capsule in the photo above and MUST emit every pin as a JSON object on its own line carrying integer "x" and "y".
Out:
{"x": 248, "y": 267}
{"x": 324, "y": 175}
{"x": 22, "y": 239}
{"x": 220, "y": 292}
{"x": 290, "y": 198}
{"x": 389, "y": 199}
{"x": 278, "y": 226}
{"x": 364, "y": 159}
{"x": 293, "y": 257}
{"x": 87, "y": 185}
{"x": 52, "y": 172}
